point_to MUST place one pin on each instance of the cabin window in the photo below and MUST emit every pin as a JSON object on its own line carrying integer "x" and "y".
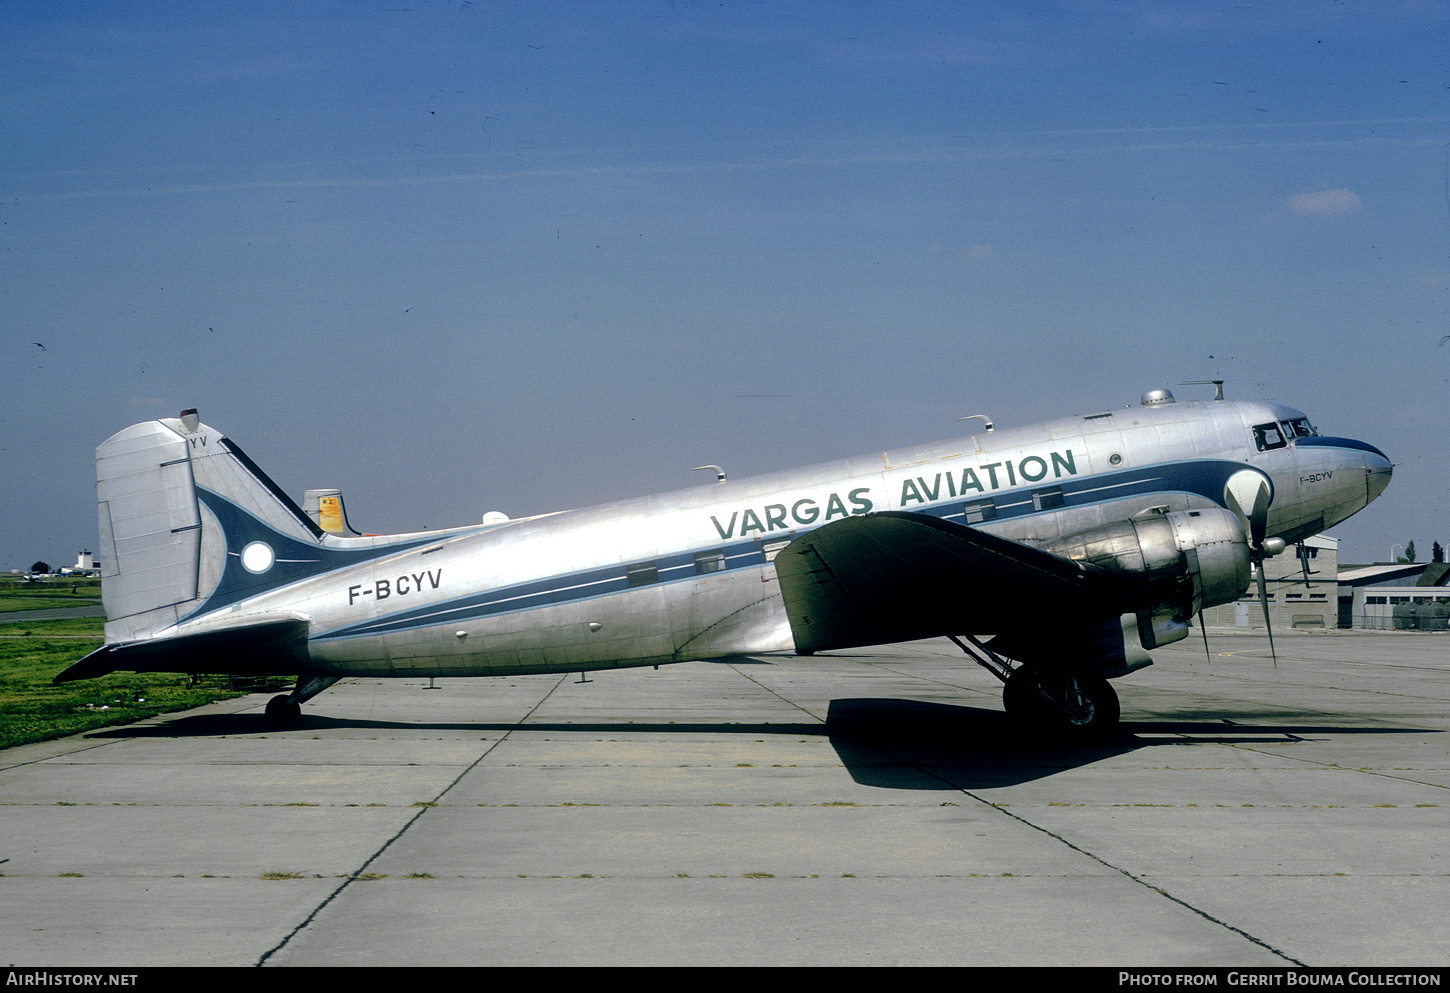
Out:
{"x": 1048, "y": 499}
{"x": 712, "y": 561}
{"x": 1269, "y": 437}
{"x": 642, "y": 573}
{"x": 978, "y": 511}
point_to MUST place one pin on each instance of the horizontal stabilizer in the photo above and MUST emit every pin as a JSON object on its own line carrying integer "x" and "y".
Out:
{"x": 893, "y": 576}
{"x": 259, "y": 647}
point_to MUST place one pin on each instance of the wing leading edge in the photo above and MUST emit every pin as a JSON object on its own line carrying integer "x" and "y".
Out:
{"x": 894, "y": 576}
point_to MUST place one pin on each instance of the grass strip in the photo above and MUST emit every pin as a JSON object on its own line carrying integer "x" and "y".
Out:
{"x": 31, "y": 709}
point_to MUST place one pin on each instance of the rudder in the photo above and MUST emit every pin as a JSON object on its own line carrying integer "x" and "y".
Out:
{"x": 150, "y": 529}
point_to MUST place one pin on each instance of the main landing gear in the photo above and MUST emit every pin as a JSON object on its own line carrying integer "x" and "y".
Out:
{"x": 1073, "y": 703}
{"x": 1080, "y": 705}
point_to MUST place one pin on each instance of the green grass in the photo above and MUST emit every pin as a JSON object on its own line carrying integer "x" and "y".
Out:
{"x": 48, "y": 595}
{"x": 10, "y": 602}
{"x": 31, "y": 709}
{"x": 12, "y": 581}
{"x": 64, "y": 627}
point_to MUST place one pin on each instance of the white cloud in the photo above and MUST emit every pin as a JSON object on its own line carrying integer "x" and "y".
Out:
{"x": 1325, "y": 203}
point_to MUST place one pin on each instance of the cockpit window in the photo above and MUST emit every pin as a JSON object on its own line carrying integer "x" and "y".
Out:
{"x": 1269, "y": 436}
{"x": 1299, "y": 427}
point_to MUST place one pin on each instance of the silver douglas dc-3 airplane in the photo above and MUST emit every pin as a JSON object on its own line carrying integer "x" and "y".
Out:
{"x": 1055, "y": 555}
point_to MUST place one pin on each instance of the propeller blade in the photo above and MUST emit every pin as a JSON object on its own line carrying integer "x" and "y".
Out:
{"x": 1264, "y": 600}
{"x": 1204, "y": 630}
{"x": 1259, "y": 516}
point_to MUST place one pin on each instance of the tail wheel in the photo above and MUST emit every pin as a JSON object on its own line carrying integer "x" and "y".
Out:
{"x": 283, "y": 712}
{"x": 1077, "y": 704}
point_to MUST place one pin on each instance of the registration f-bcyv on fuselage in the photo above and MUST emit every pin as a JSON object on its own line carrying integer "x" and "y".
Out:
{"x": 1057, "y": 555}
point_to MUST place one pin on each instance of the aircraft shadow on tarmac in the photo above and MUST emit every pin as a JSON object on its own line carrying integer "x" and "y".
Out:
{"x": 913, "y": 745}
{"x": 884, "y": 743}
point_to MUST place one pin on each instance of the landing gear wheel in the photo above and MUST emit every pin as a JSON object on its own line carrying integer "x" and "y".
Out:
{"x": 1077, "y": 706}
{"x": 282, "y": 712}
{"x": 1091, "y": 709}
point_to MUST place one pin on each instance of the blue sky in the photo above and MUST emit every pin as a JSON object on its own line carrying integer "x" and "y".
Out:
{"x": 455, "y": 256}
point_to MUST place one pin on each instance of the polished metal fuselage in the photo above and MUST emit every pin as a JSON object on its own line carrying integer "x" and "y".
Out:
{"x": 689, "y": 574}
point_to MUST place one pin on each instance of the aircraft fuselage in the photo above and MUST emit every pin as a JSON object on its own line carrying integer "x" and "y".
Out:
{"x": 690, "y": 574}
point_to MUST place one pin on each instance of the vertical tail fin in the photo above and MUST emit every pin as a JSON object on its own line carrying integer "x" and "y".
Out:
{"x": 177, "y": 502}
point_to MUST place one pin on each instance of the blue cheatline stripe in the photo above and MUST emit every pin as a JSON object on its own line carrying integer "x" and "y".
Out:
{"x": 1201, "y": 477}
{"x": 1204, "y": 478}
{"x": 509, "y": 599}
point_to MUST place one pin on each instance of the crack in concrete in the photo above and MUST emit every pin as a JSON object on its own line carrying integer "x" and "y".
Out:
{"x": 353, "y": 877}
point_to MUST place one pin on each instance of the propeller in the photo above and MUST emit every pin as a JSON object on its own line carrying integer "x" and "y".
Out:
{"x": 1247, "y": 494}
{"x": 1264, "y": 601}
{"x": 1203, "y": 629}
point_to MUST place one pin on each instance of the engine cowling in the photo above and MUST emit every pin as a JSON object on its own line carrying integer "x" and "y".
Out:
{"x": 1187, "y": 560}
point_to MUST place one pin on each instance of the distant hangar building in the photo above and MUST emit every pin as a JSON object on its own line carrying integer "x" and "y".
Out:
{"x": 1409, "y": 596}
{"x": 86, "y": 565}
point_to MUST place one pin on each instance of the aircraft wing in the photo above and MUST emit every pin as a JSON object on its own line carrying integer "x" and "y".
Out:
{"x": 894, "y": 576}
{"x": 270, "y": 645}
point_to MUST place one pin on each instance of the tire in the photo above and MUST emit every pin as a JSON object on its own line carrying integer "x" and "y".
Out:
{"x": 283, "y": 713}
{"x": 1095, "y": 710}
{"x": 1074, "y": 706}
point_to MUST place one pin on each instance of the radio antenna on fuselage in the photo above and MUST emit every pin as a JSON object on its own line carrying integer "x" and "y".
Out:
{"x": 1217, "y": 385}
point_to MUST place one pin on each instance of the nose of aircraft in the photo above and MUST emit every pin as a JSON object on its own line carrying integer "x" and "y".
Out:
{"x": 1378, "y": 469}
{"x": 1377, "y": 466}
{"x": 1339, "y": 458}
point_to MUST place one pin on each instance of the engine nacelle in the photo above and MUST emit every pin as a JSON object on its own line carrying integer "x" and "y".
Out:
{"x": 1188, "y": 560}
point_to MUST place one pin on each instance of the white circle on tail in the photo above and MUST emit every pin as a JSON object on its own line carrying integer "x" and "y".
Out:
{"x": 258, "y": 557}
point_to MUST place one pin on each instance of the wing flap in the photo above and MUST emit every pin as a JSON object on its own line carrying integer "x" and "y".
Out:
{"x": 894, "y": 576}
